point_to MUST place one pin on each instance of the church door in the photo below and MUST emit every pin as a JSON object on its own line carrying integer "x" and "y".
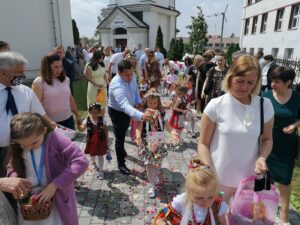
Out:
{"x": 122, "y": 42}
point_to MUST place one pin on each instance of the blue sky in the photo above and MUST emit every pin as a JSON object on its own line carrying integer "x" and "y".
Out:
{"x": 85, "y": 13}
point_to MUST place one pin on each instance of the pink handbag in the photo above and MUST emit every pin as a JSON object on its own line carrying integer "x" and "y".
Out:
{"x": 250, "y": 207}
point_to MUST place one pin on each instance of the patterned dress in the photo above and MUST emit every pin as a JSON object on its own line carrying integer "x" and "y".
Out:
{"x": 176, "y": 120}
{"x": 96, "y": 143}
{"x": 215, "y": 78}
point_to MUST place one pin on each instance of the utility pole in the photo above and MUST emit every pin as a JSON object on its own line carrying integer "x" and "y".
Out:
{"x": 222, "y": 28}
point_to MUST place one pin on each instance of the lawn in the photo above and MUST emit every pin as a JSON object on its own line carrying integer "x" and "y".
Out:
{"x": 80, "y": 88}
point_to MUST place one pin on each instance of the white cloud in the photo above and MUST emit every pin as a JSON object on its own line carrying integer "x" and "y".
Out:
{"x": 85, "y": 13}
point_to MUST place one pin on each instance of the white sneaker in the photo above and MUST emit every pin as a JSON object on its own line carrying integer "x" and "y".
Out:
{"x": 151, "y": 192}
{"x": 95, "y": 167}
{"x": 101, "y": 175}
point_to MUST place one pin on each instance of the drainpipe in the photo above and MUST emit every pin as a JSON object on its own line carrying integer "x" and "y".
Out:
{"x": 53, "y": 22}
{"x": 59, "y": 22}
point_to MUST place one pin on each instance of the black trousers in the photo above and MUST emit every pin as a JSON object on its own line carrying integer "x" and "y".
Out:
{"x": 120, "y": 122}
{"x": 3, "y": 163}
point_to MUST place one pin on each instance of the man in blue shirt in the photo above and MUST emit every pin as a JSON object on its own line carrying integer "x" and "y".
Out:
{"x": 123, "y": 97}
{"x": 143, "y": 59}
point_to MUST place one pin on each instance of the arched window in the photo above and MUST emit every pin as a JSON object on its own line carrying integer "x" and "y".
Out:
{"x": 120, "y": 30}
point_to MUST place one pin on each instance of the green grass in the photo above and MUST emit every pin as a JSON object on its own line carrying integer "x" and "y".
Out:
{"x": 295, "y": 199}
{"x": 80, "y": 88}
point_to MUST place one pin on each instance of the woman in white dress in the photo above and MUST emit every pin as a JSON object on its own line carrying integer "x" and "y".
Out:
{"x": 231, "y": 126}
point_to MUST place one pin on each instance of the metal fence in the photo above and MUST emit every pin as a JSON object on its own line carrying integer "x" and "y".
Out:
{"x": 292, "y": 63}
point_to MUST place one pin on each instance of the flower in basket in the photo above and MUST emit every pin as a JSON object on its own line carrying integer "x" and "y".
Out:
{"x": 153, "y": 114}
{"x": 32, "y": 210}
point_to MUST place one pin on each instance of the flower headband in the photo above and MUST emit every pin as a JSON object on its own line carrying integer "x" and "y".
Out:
{"x": 152, "y": 94}
{"x": 194, "y": 164}
{"x": 94, "y": 105}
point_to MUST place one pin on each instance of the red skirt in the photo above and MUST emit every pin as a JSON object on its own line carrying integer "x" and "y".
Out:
{"x": 176, "y": 121}
{"x": 94, "y": 145}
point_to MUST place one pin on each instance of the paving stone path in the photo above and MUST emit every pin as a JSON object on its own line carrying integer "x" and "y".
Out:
{"x": 122, "y": 199}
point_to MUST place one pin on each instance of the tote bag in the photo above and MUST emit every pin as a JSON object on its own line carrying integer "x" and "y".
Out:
{"x": 255, "y": 208}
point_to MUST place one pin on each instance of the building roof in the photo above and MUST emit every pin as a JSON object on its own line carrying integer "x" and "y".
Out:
{"x": 126, "y": 13}
{"x": 132, "y": 6}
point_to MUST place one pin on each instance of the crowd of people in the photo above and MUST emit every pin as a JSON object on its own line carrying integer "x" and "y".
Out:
{"x": 129, "y": 85}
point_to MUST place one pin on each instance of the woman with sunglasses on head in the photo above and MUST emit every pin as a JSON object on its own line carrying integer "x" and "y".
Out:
{"x": 152, "y": 71}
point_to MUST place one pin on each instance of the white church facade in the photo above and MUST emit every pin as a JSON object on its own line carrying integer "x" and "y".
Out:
{"x": 34, "y": 28}
{"x": 132, "y": 22}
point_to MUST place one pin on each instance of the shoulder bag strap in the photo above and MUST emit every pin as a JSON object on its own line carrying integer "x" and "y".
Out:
{"x": 261, "y": 115}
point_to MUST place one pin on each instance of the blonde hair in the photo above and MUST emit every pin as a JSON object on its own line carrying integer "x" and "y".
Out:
{"x": 244, "y": 64}
{"x": 198, "y": 176}
{"x": 152, "y": 94}
{"x": 262, "y": 210}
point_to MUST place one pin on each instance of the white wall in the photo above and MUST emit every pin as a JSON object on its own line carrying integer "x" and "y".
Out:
{"x": 151, "y": 19}
{"x": 29, "y": 30}
{"x": 271, "y": 39}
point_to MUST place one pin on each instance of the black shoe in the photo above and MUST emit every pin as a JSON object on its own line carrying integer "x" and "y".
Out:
{"x": 124, "y": 170}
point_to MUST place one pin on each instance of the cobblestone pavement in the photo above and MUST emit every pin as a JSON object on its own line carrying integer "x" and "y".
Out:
{"x": 120, "y": 199}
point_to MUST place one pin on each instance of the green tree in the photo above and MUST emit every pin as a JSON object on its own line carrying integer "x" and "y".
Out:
{"x": 198, "y": 31}
{"x": 90, "y": 42}
{"x": 76, "y": 35}
{"x": 231, "y": 49}
{"x": 180, "y": 48}
{"x": 160, "y": 41}
{"x": 172, "y": 50}
{"x": 97, "y": 33}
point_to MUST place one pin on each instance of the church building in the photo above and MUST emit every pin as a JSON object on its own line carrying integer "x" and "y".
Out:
{"x": 132, "y": 22}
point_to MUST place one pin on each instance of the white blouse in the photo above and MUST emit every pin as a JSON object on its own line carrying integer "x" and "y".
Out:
{"x": 179, "y": 204}
{"x": 234, "y": 146}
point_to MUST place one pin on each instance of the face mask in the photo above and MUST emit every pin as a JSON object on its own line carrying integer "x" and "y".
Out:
{"x": 17, "y": 80}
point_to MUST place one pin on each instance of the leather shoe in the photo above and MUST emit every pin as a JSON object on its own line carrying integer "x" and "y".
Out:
{"x": 124, "y": 170}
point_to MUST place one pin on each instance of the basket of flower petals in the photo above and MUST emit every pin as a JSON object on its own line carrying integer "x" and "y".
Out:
{"x": 32, "y": 210}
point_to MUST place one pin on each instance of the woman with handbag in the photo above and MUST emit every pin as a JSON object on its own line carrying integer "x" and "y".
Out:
{"x": 286, "y": 105}
{"x": 230, "y": 127}
{"x": 95, "y": 73}
{"x": 152, "y": 71}
{"x": 212, "y": 86}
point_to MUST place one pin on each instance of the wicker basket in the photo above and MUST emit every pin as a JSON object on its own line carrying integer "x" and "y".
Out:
{"x": 37, "y": 211}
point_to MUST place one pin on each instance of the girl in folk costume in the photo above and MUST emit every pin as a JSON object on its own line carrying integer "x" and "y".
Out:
{"x": 52, "y": 163}
{"x": 200, "y": 204}
{"x": 96, "y": 138}
{"x": 178, "y": 113}
{"x": 191, "y": 101}
{"x": 150, "y": 138}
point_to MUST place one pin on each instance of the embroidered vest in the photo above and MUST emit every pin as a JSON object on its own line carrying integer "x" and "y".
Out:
{"x": 100, "y": 127}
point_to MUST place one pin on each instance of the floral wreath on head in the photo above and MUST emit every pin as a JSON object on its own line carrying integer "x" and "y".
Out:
{"x": 94, "y": 105}
{"x": 155, "y": 94}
